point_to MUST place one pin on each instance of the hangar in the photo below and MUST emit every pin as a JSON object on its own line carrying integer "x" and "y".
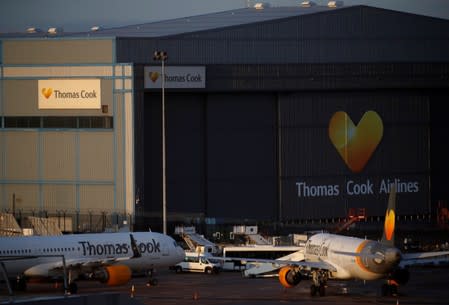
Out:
{"x": 277, "y": 114}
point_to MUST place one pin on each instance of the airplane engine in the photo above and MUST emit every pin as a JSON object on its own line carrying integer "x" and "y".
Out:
{"x": 289, "y": 277}
{"x": 113, "y": 275}
{"x": 400, "y": 276}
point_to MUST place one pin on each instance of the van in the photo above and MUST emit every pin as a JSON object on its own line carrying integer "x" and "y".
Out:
{"x": 197, "y": 263}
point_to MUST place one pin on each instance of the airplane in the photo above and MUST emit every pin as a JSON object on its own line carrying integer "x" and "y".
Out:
{"x": 329, "y": 256}
{"x": 106, "y": 257}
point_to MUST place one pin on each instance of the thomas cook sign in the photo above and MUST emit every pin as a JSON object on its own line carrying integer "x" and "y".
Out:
{"x": 69, "y": 94}
{"x": 188, "y": 77}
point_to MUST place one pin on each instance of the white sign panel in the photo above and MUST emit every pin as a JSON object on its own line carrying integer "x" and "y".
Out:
{"x": 175, "y": 77}
{"x": 69, "y": 94}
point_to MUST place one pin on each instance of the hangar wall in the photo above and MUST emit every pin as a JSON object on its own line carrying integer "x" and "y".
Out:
{"x": 72, "y": 158}
{"x": 236, "y": 156}
{"x": 319, "y": 183}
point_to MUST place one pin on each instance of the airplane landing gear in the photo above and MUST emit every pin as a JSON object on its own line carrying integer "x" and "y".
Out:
{"x": 151, "y": 280}
{"x": 319, "y": 279}
{"x": 389, "y": 289}
{"x": 73, "y": 288}
{"x": 18, "y": 284}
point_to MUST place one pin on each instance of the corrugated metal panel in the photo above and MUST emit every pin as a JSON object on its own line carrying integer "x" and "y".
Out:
{"x": 96, "y": 156}
{"x": 185, "y": 136}
{"x": 81, "y": 51}
{"x": 206, "y": 22}
{"x": 58, "y": 156}
{"x": 58, "y": 71}
{"x": 97, "y": 199}
{"x": 241, "y": 155}
{"x": 27, "y": 196}
{"x": 59, "y": 197}
{"x": 439, "y": 150}
{"x": 297, "y": 77}
{"x": 20, "y": 97}
{"x": 21, "y": 155}
{"x": 339, "y": 36}
{"x": 310, "y": 156}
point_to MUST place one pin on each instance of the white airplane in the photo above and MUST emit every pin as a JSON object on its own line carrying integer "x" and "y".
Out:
{"x": 336, "y": 257}
{"x": 107, "y": 257}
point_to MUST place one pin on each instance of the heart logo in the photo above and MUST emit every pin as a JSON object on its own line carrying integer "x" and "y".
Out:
{"x": 47, "y": 92}
{"x": 389, "y": 224}
{"x": 154, "y": 76}
{"x": 355, "y": 144}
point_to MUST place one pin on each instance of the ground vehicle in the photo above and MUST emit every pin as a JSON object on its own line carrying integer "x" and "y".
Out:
{"x": 197, "y": 263}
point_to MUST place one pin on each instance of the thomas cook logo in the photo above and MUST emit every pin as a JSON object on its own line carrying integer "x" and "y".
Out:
{"x": 47, "y": 92}
{"x": 355, "y": 144}
{"x": 154, "y": 76}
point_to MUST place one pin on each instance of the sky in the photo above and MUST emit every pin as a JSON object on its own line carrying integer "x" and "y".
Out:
{"x": 81, "y": 15}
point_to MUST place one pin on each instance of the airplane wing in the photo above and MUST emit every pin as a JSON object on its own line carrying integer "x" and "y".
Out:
{"x": 306, "y": 265}
{"x": 424, "y": 258}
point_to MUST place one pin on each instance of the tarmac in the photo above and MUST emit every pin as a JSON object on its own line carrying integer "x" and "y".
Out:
{"x": 427, "y": 285}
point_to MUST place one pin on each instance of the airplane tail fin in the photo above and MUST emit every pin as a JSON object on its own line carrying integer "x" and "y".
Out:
{"x": 390, "y": 218}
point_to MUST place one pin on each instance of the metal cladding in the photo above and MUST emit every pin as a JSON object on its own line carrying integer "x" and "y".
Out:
{"x": 336, "y": 167}
{"x": 302, "y": 117}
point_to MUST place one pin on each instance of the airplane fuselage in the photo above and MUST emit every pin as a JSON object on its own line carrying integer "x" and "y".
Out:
{"x": 352, "y": 257}
{"x": 46, "y": 252}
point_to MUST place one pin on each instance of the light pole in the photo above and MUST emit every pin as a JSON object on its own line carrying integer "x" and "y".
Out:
{"x": 162, "y": 56}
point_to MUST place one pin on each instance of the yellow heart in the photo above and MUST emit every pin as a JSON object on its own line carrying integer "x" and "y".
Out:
{"x": 47, "y": 92}
{"x": 389, "y": 224}
{"x": 154, "y": 76}
{"x": 356, "y": 144}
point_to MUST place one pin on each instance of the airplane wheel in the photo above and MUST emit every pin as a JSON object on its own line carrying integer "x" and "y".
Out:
{"x": 152, "y": 282}
{"x": 178, "y": 269}
{"x": 322, "y": 290}
{"x": 313, "y": 290}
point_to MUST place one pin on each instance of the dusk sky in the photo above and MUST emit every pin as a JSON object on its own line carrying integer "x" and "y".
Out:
{"x": 80, "y": 15}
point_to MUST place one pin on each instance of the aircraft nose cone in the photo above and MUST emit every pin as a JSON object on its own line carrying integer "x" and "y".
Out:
{"x": 393, "y": 256}
{"x": 180, "y": 253}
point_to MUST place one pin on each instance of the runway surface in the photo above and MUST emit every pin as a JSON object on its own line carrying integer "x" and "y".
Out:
{"x": 426, "y": 286}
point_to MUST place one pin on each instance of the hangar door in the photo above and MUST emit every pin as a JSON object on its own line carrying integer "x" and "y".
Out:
{"x": 221, "y": 156}
{"x": 241, "y": 156}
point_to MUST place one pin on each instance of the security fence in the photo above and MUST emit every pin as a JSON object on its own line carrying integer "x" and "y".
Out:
{"x": 21, "y": 222}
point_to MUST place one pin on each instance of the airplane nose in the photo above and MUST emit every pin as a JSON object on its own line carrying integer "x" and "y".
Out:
{"x": 181, "y": 253}
{"x": 393, "y": 256}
